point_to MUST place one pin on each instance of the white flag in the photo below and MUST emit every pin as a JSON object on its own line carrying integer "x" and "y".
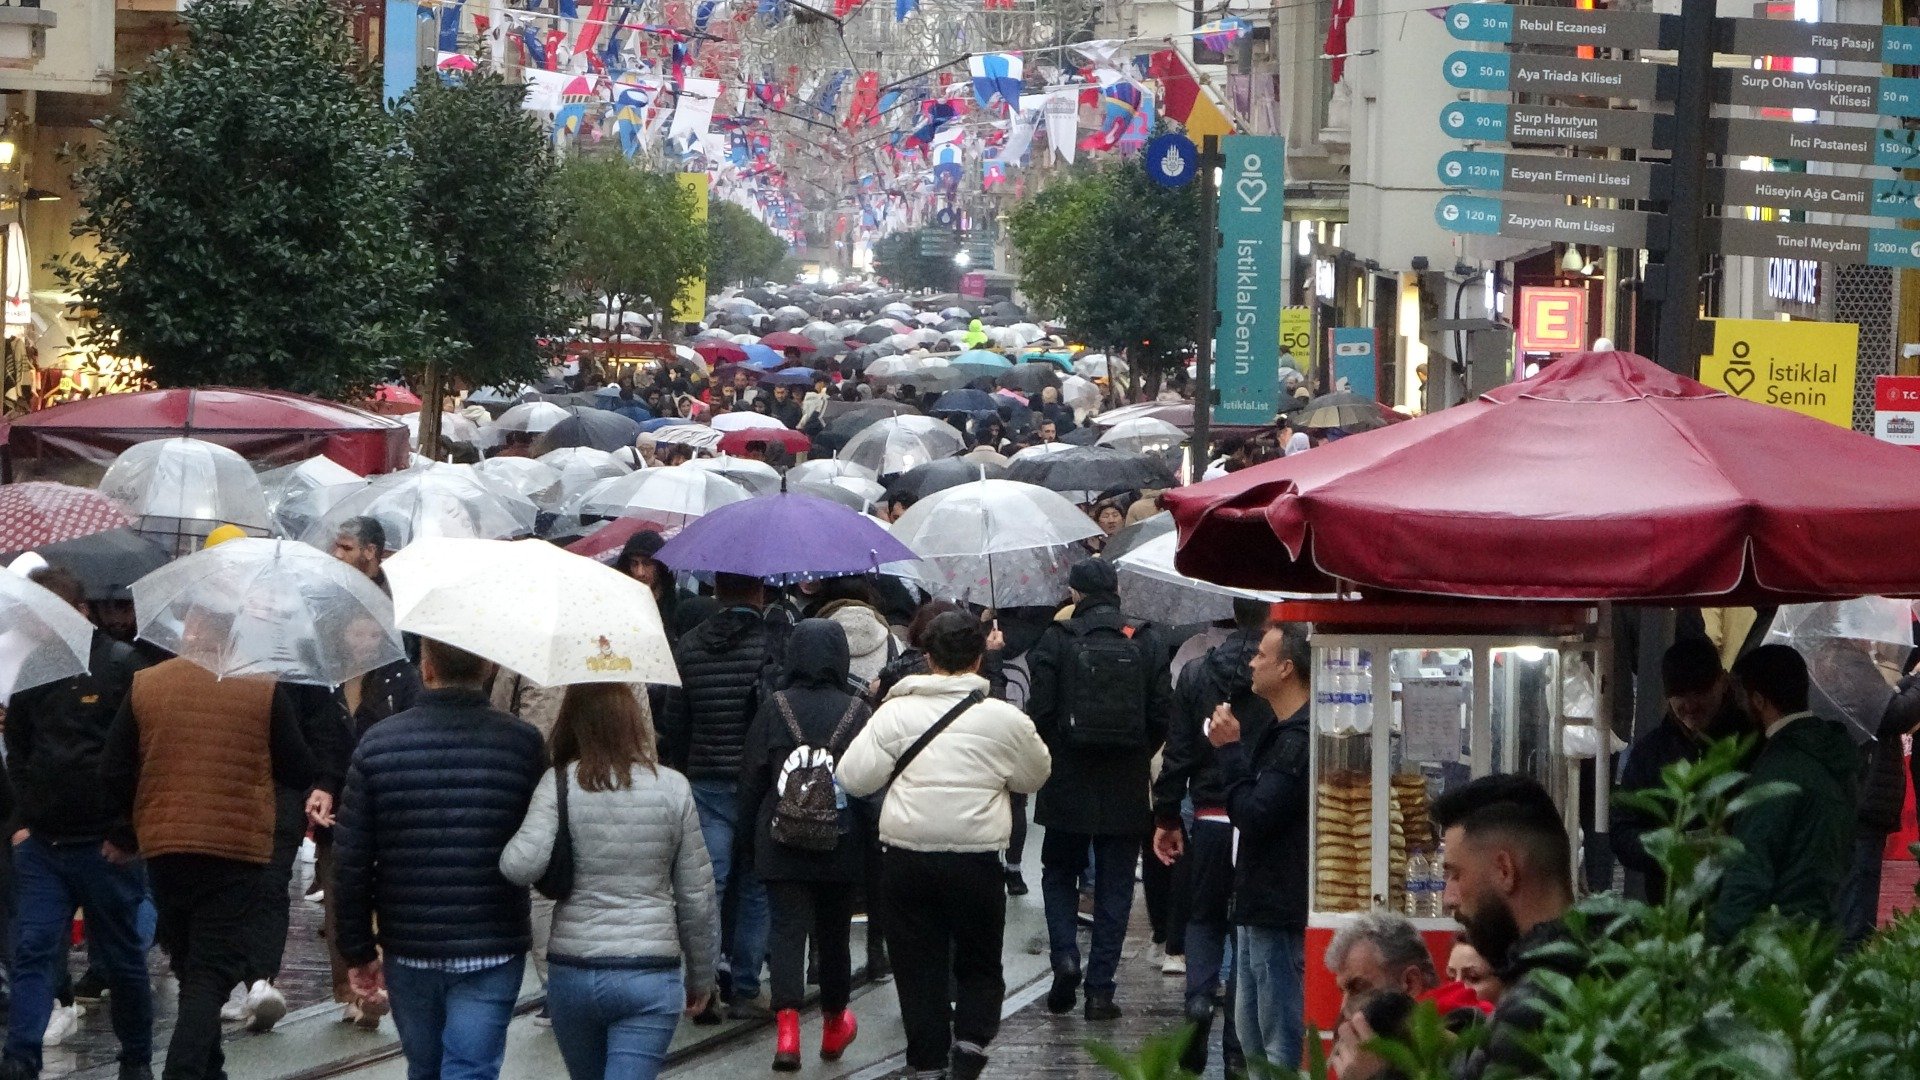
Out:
{"x": 694, "y": 113}
{"x": 1062, "y": 112}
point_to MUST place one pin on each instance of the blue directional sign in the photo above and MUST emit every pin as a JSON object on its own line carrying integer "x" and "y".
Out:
{"x": 1469, "y": 214}
{"x": 1475, "y": 121}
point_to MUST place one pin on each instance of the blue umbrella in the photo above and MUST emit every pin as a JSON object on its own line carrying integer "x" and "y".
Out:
{"x": 965, "y": 401}
{"x": 797, "y": 376}
{"x": 783, "y": 538}
{"x": 982, "y": 362}
{"x": 664, "y": 422}
{"x": 759, "y": 356}
{"x": 1062, "y": 360}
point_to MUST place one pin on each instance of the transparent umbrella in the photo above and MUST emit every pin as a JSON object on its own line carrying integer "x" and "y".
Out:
{"x": 995, "y": 542}
{"x": 534, "y": 480}
{"x": 42, "y": 638}
{"x": 757, "y": 477}
{"x": 1142, "y": 435}
{"x": 179, "y": 490}
{"x": 552, "y": 616}
{"x": 1855, "y": 652}
{"x": 686, "y": 493}
{"x": 433, "y": 500}
{"x": 897, "y": 444}
{"x": 829, "y": 469}
{"x": 581, "y": 467}
{"x": 1150, "y": 587}
{"x": 745, "y": 421}
{"x": 270, "y": 608}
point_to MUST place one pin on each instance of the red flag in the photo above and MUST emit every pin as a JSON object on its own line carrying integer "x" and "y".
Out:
{"x": 1178, "y": 89}
{"x": 1336, "y": 45}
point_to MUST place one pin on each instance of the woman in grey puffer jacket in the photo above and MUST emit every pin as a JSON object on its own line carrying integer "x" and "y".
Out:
{"x": 635, "y": 943}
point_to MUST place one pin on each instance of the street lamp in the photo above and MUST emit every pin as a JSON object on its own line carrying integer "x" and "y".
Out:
{"x": 963, "y": 260}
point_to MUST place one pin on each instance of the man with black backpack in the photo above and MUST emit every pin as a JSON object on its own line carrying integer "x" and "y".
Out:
{"x": 1100, "y": 699}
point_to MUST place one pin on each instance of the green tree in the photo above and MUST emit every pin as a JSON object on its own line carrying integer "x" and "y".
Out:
{"x": 247, "y": 211}
{"x": 740, "y": 248}
{"x": 485, "y": 209}
{"x": 633, "y": 234}
{"x": 1117, "y": 258}
{"x": 897, "y": 258}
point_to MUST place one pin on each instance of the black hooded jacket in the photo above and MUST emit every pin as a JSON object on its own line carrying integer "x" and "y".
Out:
{"x": 721, "y": 664}
{"x": 55, "y": 736}
{"x": 815, "y": 688}
{"x": 1189, "y": 764}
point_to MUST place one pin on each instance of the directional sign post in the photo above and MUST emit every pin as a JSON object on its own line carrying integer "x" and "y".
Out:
{"x": 1823, "y": 193}
{"x": 1544, "y": 221}
{"x": 1540, "y": 174}
{"x": 1512, "y": 24}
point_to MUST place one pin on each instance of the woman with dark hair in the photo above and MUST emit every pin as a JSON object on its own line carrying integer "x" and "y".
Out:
{"x": 810, "y": 890}
{"x": 914, "y": 660}
{"x": 635, "y": 941}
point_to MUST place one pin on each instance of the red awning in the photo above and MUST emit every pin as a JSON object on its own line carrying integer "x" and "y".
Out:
{"x": 268, "y": 427}
{"x": 1604, "y": 478}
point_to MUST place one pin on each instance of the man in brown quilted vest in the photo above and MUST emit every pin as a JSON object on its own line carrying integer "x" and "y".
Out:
{"x": 195, "y": 758}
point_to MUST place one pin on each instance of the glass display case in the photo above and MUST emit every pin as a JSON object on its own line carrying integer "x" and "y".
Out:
{"x": 1401, "y": 716}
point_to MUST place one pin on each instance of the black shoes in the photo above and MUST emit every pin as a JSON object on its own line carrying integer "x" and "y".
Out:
{"x": 90, "y": 987}
{"x": 713, "y": 1015}
{"x": 132, "y": 1071}
{"x": 967, "y": 1064}
{"x": 1200, "y": 1023}
{"x": 1016, "y": 885}
{"x": 1066, "y": 984}
{"x": 1101, "y": 1007}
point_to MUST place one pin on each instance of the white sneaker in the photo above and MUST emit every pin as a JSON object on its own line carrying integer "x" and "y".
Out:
{"x": 236, "y": 1006}
{"x": 265, "y": 1006}
{"x": 1174, "y": 965}
{"x": 64, "y": 1021}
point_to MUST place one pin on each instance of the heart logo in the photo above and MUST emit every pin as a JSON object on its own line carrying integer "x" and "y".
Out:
{"x": 1738, "y": 379}
{"x": 1251, "y": 190}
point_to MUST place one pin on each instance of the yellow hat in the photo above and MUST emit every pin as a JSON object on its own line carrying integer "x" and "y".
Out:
{"x": 223, "y": 534}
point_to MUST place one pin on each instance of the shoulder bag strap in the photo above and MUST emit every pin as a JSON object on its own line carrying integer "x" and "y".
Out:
{"x": 562, "y": 832}
{"x": 840, "y": 729}
{"x": 927, "y": 736}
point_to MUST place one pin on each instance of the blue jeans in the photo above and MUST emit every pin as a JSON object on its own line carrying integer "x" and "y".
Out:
{"x": 1063, "y": 858}
{"x": 454, "y": 1027}
{"x": 49, "y": 882}
{"x": 746, "y": 944}
{"x": 1270, "y": 985}
{"x": 611, "y": 1023}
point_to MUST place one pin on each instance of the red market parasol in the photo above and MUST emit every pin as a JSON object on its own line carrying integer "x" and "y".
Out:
{"x": 739, "y": 443}
{"x": 720, "y": 352}
{"x": 37, "y": 514}
{"x": 782, "y": 340}
{"x": 1603, "y": 478}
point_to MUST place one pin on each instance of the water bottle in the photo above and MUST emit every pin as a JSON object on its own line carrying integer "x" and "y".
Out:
{"x": 1362, "y": 691}
{"x": 1417, "y": 871}
{"x": 1323, "y": 693}
{"x": 1437, "y": 883}
{"x": 1342, "y": 692}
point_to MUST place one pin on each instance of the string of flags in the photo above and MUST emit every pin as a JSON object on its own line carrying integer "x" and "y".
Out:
{"x": 680, "y": 88}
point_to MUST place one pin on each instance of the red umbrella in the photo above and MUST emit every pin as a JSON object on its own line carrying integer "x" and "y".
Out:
{"x": 738, "y": 443}
{"x": 392, "y": 400}
{"x": 36, "y": 514}
{"x": 720, "y": 352}
{"x": 1604, "y": 478}
{"x": 605, "y": 542}
{"x": 782, "y": 340}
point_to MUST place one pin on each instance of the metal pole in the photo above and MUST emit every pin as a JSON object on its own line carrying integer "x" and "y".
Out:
{"x": 1200, "y": 450}
{"x": 1674, "y": 276}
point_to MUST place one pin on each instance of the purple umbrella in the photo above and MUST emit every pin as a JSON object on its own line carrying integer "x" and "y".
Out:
{"x": 784, "y": 538}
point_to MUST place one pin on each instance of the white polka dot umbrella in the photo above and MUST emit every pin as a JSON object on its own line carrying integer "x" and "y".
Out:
{"x": 537, "y": 610}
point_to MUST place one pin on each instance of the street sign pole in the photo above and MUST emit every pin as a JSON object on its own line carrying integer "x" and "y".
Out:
{"x": 1198, "y": 449}
{"x": 1673, "y": 275}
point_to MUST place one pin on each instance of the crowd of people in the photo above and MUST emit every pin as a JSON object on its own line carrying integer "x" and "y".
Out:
{"x": 700, "y": 852}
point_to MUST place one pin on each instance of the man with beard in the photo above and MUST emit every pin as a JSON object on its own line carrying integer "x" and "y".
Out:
{"x": 1510, "y": 883}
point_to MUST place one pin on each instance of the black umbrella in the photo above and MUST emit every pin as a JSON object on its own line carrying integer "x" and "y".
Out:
{"x": 764, "y": 297}
{"x": 857, "y": 418}
{"x": 965, "y": 401}
{"x": 1341, "y": 409}
{"x": 1093, "y": 468}
{"x": 1084, "y": 435}
{"x": 874, "y": 334}
{"x": 1031, "y": 377}
{"x": 107, "y": 562}
{"x": 601, "y": 429}
{"x": 923, "y": 480}
{"x": 950, "y": 325}
{"x": 1007, "y": 310}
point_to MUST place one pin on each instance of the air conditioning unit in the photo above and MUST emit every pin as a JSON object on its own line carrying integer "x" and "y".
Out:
{"x": 23, "y": 35}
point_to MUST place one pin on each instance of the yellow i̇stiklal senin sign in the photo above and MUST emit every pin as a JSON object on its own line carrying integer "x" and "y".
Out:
{"x": 1808, "y": 367}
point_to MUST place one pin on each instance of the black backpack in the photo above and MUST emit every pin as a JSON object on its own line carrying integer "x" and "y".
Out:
{"x": 806, "y": 808}
{"x": 1106, "y": 689}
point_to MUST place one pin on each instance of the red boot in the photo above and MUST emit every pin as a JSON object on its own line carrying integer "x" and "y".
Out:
{"x": 837, "y": 1032}
{"x": 786, "y": 1047}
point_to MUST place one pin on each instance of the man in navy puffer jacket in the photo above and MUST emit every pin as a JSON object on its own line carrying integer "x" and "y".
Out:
{"x": 432, "y": 797}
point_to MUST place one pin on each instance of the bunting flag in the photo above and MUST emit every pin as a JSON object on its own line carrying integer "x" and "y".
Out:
{"x": 1122, "y": 106}
{"x": 1221, "y": 34}
{"x": 1140, "y": 128}
{"x": 575, "y": 97}
{"x": 449, "y": 62}
{"x": 1062, "y": 114}
{"x": 1182, "y": 98}
{"x": 546, "y": 90}
{"x": 936, "y": 116}
{"x": 693, "y": 113}
{"x": 631, "y": 100}
{"x": 1020, "y": 138}
{"x": 997, "y": 75}
{"x": 864, "y": 109}
{"x": 829, "y": 101}
{"x": 450, "y": 26}
{"x": 589, "y": 34}
{"x": 904, "y": 8}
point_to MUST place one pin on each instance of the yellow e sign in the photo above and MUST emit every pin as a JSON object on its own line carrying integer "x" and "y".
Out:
{"x": 1808, "y": 367}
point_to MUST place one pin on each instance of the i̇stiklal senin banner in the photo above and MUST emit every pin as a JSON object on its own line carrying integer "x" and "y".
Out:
{"x": 1246, "y": 351}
